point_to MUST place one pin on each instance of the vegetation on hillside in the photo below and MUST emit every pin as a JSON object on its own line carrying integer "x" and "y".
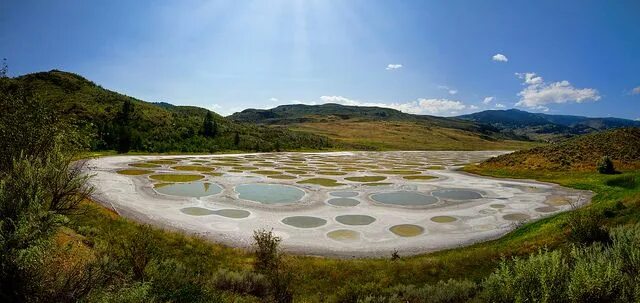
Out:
{"x": 111, "y": 121}
{"x": 622, "y": 146}
{"x": 538, "y": 126}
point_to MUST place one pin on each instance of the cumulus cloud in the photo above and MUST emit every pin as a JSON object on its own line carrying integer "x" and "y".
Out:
{"x": 487, "y": 100}
{"x": 499, "y": 105}
{"x": 499, "y": 58}
{"x": 419, "y": 106}
{"x": 635, "y": 90}
{"x": 273, "y": 99}
{"x": 537, "y": 93}
{"x": 393, "y": 66}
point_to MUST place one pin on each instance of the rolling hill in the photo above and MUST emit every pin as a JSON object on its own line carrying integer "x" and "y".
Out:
{"x": 157, "y": 127}
{"x": 622, "y": 145}
{"x": 376, "y": 128}
{"x": 538, "y": 126}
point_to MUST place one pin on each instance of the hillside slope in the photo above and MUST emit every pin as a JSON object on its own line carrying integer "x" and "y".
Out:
{"x": 579, "y": 153}
{"x": 540, "y": 126}
{"x": 376, "y": 128}
{"x": 158, "y": 127}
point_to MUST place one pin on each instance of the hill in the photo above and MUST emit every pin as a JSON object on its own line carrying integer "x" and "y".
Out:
{"x": 376, "y": 128}
{"x": 157, "y": 127}
{"x": 538, "y": 126}
{"x": 579, "y": 153}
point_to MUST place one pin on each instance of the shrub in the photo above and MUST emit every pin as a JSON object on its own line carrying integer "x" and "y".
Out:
{"x": 585, "y": 227}
{"x": 542, "y": 277}
{"x": 596, "y": 276}
{"x": 266, "y": 250}
{"x": 605, "y": 166}
{"x": 241, "y": 282}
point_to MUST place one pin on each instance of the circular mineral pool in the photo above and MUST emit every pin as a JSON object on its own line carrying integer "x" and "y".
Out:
{"x": 343, "y": 202}
{"x": 516, "y": 217}
{"x": 404, "y": 198}
{"x": 456, "y": 194}
{"x": 497, "y": 206}
{"x": 304, "y": 221}
{"x": 232, "y": 213}
{"x": 355, "y": 219}
{"x": 193, "y": 189}
{"x": 344, "y": 235}
{"x": 344, "y": 194}
{"x": 197, "y": 211}
{"x": 269, "y": 193}
{"x": 547, "y": 209}
{"x": 407, "y": 230}
{"x": 444, "y": 219}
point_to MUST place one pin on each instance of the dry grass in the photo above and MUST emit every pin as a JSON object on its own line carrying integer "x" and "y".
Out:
{"x": 385, "y": 135}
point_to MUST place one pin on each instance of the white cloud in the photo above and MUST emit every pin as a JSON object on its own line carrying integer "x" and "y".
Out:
{"x": 393, "y": 66}
{"x": 487, "y": 100}
{"x": 499, "y": 105}
{"x": 499, "y": 58}
{"x": 273, "y": 99}
{"x": 537, "y": 93}
{"x": 419, "y": 106}
{"x": 451, "y": 91}
{"x": 473, "y": 107}
{"x": 635, "y": 90}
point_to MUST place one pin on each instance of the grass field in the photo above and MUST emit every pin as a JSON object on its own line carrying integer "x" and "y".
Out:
{"x": 393, "y": 135}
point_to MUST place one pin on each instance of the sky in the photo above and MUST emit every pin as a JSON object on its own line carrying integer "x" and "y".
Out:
{"x": 439, "y": 58}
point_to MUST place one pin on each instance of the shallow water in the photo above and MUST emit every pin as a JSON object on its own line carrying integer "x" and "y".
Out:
{"x": 343, "y": 202}
{"x": 407, "y": 230}
{"x": 269, "y": 193}
{"x": 232, "y": 213}
{"x": 404, "y": 198}
{"x": 355, "y": 219}
{"x": 304, "y": 221}
{"x": 456, "y": 194}
{"x": 193, "y": 189}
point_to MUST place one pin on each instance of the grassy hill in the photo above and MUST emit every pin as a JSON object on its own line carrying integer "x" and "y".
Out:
{"x": 579, "y": 153}
{"x": 376, "y": 128}
{"x": 538, "y": 126}
{"x": 157, "y": 127}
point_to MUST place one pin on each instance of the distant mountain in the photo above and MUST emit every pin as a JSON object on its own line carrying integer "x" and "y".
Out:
{"x": 367, "y": 127}
{"x": 301, "y": 113}
{"x": 545, "y": 126}
{"x": 622, "y": 145}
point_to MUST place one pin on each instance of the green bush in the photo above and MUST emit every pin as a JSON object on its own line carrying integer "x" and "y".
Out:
{"x": 586, "y": 227}
{"x": 542, "y": 277}
{"x": 596, "y": 275}
{"x": 241, "y": 283}
{"x": 605, "y": 166}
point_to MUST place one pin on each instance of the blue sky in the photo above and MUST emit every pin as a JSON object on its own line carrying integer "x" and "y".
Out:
{"x": 430, "y": 57}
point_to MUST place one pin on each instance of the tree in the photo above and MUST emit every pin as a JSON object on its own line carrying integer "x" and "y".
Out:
{"x": 210, "y": 127}
{"x": 4, "y": 69}
{"x": 605, "y": 166}
{"x": 236, "y": 139}
{"x": 124, "y": 119}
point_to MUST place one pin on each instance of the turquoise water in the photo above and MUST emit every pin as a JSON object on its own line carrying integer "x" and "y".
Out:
{"x": 269, "y": 193}
{"x": 456, "y": 194}
{"x": 193, "y": 189}
{"x": 404, "y": 198}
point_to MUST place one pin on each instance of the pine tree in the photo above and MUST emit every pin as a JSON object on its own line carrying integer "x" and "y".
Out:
{"x": 4, "y": 69}
{"x": 123, "y": 119}
{"x": 210, "y": 127}
{"x": 236, "y": 139}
